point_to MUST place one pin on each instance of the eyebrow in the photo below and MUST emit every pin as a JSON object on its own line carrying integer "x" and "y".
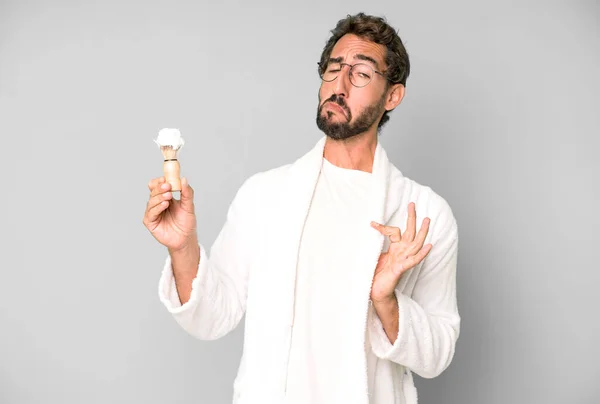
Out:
{"x": 359, "y": 56}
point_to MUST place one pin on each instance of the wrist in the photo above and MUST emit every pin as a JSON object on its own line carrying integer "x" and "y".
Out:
{"x": 386, "y": 302}
{"x": 387, "y": 310}
{"x": 188, "y": 252}
{"x": 189, "y": 246}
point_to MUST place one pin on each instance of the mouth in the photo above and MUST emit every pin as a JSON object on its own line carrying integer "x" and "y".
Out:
{"x": 335, "y": 107}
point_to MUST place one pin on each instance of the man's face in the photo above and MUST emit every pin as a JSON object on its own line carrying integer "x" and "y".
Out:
{"x": 345, "y": 110}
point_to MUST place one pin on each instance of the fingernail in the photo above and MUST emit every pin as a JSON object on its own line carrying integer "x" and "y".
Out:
{"x": 164, "y": 186}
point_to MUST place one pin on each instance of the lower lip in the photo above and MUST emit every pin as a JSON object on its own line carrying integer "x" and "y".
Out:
{"x": 336, "y": 107}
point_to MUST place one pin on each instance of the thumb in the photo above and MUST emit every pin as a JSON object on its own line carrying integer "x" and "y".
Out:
{"x": 187, "y": 195}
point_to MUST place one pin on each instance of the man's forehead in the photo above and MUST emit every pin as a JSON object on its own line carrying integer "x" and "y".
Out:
{"x": 352, "y": 48}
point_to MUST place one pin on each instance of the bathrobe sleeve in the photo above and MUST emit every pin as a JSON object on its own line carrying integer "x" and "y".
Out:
{"x": 429, "y": 321}
{"x": 219, "y": 290}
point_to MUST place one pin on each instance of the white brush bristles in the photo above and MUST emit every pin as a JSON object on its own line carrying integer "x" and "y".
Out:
{"x": 169, "y": 137}
{"x": 169, "y": 141}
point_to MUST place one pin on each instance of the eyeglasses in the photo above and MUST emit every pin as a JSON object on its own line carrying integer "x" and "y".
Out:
{"x": 360, "y": 74}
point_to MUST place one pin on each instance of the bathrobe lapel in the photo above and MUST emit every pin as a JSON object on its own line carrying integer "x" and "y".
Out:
{"x": 294, "y": 204}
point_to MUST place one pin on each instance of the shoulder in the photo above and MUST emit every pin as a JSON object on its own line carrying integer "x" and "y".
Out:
{"x": 266, "y": 181}
{"x": 428, "y": 203}
{"x": 258, "y": 189}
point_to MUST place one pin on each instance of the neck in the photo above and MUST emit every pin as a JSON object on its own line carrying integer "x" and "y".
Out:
{"x": 356, "y": 153}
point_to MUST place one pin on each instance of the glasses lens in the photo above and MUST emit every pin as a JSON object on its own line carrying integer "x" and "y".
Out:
{"x": 361, "y": 74}
{"x": 331, "y": 72}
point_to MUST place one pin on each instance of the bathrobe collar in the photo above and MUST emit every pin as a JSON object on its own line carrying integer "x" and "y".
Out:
{"x": 294, "y": 204}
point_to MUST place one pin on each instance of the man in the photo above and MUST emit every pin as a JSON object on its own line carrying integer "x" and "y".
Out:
{"x": 344, "y": 296}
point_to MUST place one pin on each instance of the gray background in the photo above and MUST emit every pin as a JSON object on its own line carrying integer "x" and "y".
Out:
{"x": 500, "y": 118}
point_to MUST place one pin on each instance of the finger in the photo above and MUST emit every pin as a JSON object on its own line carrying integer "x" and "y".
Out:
{"x": 423, "y": 231}
{"x": 161, "y": 189}
{"x": 157, "y": 199}
{"x": 422, "y": 254}
{"x": 409, "y": 234}
{"x": 187, "y": 196}
{"x": 154, "y": 182}
{"x": 391, "y": 231}
{"x": 420, "y": 239}
{"x": 153, "y": 213}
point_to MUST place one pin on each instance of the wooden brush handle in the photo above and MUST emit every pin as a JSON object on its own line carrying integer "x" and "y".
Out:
{"x": 171, "y": 170}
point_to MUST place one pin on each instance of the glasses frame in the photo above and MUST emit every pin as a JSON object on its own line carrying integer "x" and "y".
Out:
{"x": 342, "y": 64}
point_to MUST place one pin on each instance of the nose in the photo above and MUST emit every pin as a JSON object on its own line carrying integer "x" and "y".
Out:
{"x": 342, "y": 82}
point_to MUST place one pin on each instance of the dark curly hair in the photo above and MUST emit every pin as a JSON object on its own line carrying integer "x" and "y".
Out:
{"x": 374, "y": 29}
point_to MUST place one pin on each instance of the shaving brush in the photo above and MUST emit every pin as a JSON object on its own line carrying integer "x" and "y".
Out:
{"x": 170, "y": 142}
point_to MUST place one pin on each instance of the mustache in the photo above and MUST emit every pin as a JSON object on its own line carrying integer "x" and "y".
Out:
{"x": 339, "y": 101}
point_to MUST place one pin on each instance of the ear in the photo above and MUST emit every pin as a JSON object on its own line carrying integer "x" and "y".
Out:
{"x": 395, "y": 94}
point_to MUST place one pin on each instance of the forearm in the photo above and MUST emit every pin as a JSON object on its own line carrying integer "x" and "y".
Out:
{"x": 428, "y": 322}
{"x": 185, "y": 263}
{"x": 209, "y": 300}
{"x": 388, "y": 314}
{"x": 424, "y": 342}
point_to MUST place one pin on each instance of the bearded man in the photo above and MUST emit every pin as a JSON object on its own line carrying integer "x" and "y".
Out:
{"x": 344, "y": 268}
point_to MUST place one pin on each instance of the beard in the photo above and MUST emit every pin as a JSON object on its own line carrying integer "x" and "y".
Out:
{"x": 346, "y": 130}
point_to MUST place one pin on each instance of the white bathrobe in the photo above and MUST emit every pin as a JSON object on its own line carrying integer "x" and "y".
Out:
{"x": 251, "y": 270}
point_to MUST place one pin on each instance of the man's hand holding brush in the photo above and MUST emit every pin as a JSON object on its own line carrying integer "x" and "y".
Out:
{"x": 173, "y": 223}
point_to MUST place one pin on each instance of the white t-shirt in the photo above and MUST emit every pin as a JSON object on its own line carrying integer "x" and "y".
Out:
{"x": 317, "y": 351}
